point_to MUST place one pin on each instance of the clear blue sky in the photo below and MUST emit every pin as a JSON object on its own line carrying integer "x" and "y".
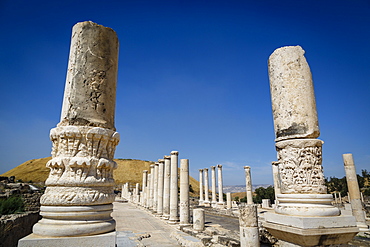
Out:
{"x": 192, "y": 77}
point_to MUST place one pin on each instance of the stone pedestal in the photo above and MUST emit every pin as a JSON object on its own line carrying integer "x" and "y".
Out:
{"x": 228, "y": 200}
{"x": 354, "y": 192}
{"x": 166, "y": 187}
{"x": 79, "y": 194}
{"x": 174, "y": 210}
{"x": 184, "y": 192}
{"x": 213, "y": 186}
{"x": 248, "y": 224}
{"x": 248, "y": 184}
{"x": 201, "y": 193}
{"x": 206, "y": 201}
{"x": 198, "y": 219}
{"x": 304, "y": 215}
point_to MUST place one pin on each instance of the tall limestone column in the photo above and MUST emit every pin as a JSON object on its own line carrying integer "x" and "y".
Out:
{"x": 354, "y": 192}
{"x": 148, "y": 191}
{"x": 221, "y": 202}
{"x": 160, "y": 186}
{"x": 151, "y": 187}
{"x": 248, "y": 184}
{"x": 166, "y": 187}
{"x": 155, "y": 188}
{"x": 201, "y": 193}
{"x": 184, "y": 192}
{"x": 213, "y": 184}
{"x": 79, "y": 194}
{"x": 174, "y": 200}
{"x": 303, "y": 195}
{"x": 206, "y": 201}
{"x": 276, "y": 178}
{"x": 144, "y": 186}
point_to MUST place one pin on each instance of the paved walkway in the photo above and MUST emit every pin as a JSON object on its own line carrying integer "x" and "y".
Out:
{"x": 137, "y": 227}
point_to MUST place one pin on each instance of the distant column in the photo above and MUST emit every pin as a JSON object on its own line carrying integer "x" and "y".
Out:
{"x": 144, "y": 185}
{"x": 248, "y": 224}
{"x": 248, "y": 184}
{"x": 137, "y": 193}
{"x": 276, "y": 177}
{"x": 148, "y": 189}
{"x": 354, "y": 192}
{"x": 151, "y": 187}
{"x": 174, "y": 218}
{"x": 160, "y": 186}
{"x": 213, "y": 184}
{"x": 184, "y": 192}
{"x": 166, "y": 187}
{"x": 206, "y": 188}
{"x": 221, "y": 202}
{"x": 155, "y": 188}
{"x": 201, "y": 193}
{"x": 228, "y": 200}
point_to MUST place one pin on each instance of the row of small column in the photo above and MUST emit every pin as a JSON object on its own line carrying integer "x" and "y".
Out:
{"x": 204, "y": 188}
{"x": 160, "y": 189}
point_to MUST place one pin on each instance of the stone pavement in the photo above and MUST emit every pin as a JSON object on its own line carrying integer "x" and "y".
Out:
{"x": 138, "y": 227}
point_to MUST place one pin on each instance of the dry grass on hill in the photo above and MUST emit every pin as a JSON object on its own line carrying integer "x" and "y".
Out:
{"x": 128, "y": 170}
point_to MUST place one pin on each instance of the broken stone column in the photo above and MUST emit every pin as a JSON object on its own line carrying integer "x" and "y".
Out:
{"x": 160, "y": 186}
{"x": 213, "y": 184}
{"x": 354, "y": 192}
{"x": 304, "y": 214}
{"x": 144, "y": 186}
{"x": 166, "y": 187}
{"x": 198, "y": 219}
{"x": 248, "y": 225}
{"x": 151, "y": 187}
{"x": 155, "y": 188}
{"x": 248, "y": 184}
{"x": 201, "y": 194}
{"x": 206, "y": 201}
{"x": 228, "y": 200}
{"x": 174, "y": 200}
{"x": 184, "y": 192}
{"x": 221, "y": 202}
{"x": 79, "y": 194}
{"x": 276, "y": 178}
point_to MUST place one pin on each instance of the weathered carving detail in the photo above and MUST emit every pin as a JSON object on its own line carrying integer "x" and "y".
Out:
{"x": 82, "y": 156}
{"x": 300, "y": 166}
{"x": 69, "y": 196}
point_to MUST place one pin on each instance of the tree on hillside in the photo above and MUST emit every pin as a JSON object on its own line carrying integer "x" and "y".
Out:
{"x": 264, "y": 193}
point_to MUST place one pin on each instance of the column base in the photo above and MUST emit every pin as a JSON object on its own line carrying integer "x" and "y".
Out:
{"x": 73, "y": 221}
{"x": 311, "y": 231}
{"x": 206, "y": 204}
{"x": 106, "y": 239}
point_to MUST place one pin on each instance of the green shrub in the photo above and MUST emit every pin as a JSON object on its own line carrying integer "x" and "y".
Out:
{"x": 11, "y": 205}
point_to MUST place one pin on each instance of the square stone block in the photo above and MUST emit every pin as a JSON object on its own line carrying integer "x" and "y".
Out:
{"x": 32, "y": 240}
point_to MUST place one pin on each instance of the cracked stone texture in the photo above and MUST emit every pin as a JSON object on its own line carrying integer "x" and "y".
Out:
{"x": 292, "y": 94}
{"x": 90, "y": 92}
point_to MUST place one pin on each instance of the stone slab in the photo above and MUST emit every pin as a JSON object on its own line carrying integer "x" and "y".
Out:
{"x": 311, "y": 222}
{"x": 32, "y": 240}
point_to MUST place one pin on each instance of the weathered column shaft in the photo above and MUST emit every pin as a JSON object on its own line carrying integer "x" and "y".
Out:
{"x": 84, "y": 141}
{"x": 354, "y": 191}
{"x": 144, "y": 185}
{"x": 148, "y": 189}
{"x": 228, "y": 200}
{"x": 151, "y": 187}
{"x": 155, "y": 188}
{"x": 206, "y": 187}
{"x": 220, "y": 185}
{"x": 248, "y": 184}
{"x": 213, "y": 184}
{"x": 248, "y": 224}
{"x": 201, "y": 193}
{"x": 160, "y": 186}
{"x": 184, "y": 192}
{"x": 174, "y": 188}
{"x": 198, "y": 219}
{"x": 276, "y": 177}
{"x": 166, "y": 187}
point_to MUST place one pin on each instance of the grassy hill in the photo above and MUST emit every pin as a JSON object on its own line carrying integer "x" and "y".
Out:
{"x": 128, "y": 170}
